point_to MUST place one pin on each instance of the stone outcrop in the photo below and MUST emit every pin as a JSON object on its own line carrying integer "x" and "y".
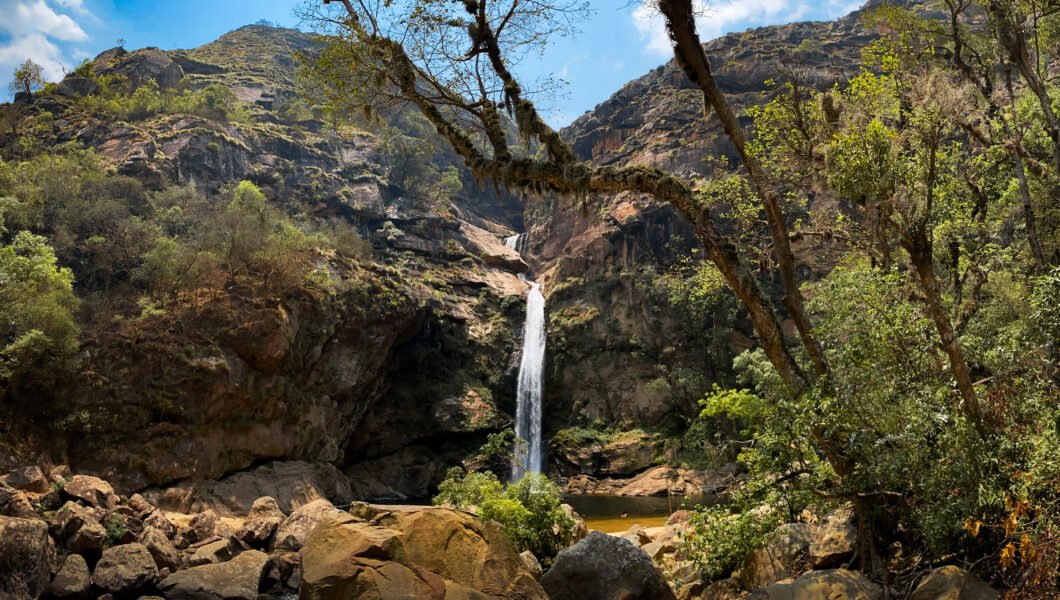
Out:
{"x": 660, "y": 480}
{"x": 837, "y": 584}
{"x": 604, "y": 567}
{"x": 430, "y": 553}
{"x": 238, "y": 579}
{"x": 953, "y": 583}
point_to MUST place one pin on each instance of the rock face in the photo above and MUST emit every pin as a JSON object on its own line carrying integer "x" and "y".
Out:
{"x": 953, "y": 583}
{"x": 26, "y": 556}
{"x": 603, "y": 567}
{"x": 429, "y": 553}
{"x": 237, "y": 579}
{"x": 821, "y": 585}
{"x": 292, "y": 377}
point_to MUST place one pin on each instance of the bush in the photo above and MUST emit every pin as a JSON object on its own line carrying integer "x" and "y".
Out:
{"x": 530, "y": 511}
{"x": 718, "y": 540}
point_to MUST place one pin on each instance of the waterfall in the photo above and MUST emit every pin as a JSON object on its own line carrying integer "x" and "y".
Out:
{"x": 528, "y": 453}
{"x": 516, "y": 242}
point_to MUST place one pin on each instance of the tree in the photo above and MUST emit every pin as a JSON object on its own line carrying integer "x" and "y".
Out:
{"x": 29, "y": 77}
{"x": 38, "y": 332}
{"x": 452, "y": 62}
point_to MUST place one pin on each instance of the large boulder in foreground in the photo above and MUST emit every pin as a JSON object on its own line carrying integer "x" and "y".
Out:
{"x": 413, "y": 552}
{"x": 953, "y": 583}
{"x": 237, "y": 579}
{"x": 293, "y": 531}
{"x": 837, "y": 584}
{"x": 26, "y": 556}
{"x": 604, "y": 567}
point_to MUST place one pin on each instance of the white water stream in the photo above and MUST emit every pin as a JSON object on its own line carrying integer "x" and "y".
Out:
{"x": 528, "y": 453}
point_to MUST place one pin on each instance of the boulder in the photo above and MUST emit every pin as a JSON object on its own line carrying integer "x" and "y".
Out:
{"x": 217, "y": 551}
{"x": 604, "y": 567}
{"x": 161, "y": 522}
{"x": 16, "y": 503}
{"x": 678, "y": 517}
{"x": 237, "y": 579}
{"x": 837, "y": 584}
{"x": 91, "y": 490}
{"x": 29, "y": 479}
{"x": 580, "y": 530}
{"x": 125, "y": 570}
{"x": 162, "y": 550}
{"x": 531, "y": 563}
{"x": 140, "y": 66}
{"x": 264, "y": 518}
{"x": 294, "y": 530}
{"x": 413, "y": 552}
{"x": 140, "y": 504}
{"x": 78, "y": 528}
{"x": 953, "y": 583}
{"x": 76, "y": 85}
{"x": 285, "y": 570}
{"x": 834, "y": 539}
{"x": 782, "y": 555}
{"x": 73, "y": 579}
{"x": 201, "y": 527}
{"x": 26, "y": 558}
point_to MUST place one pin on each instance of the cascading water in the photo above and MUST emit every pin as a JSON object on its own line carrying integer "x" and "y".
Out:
{"x": 528, "y": 453}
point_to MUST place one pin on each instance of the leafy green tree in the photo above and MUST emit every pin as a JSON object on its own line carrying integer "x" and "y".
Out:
{"x": 28, "y": 78}
{"x": 38, "y": 330}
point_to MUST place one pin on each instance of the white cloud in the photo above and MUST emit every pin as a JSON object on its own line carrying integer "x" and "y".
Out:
{"x": 36, "y": 16}
{"x": 35, "y": 47}
{"x": 41, "y": 32}
{"x": 77, "y": 6}
{"x": 717, "y": 17}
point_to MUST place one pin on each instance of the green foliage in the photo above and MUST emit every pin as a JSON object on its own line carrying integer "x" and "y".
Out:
{"x": 718, "y": 540}
{"x": 28, "y": 78}
{"x": 37, "y": 307}
{"x": 214, "y": 101}
{"x": 529, "y": 511}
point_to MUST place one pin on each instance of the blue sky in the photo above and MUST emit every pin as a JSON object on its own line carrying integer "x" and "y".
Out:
{"x": 619, "y": 42}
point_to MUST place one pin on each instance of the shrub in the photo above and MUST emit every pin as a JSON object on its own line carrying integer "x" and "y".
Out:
{"x": 530, "y": 511}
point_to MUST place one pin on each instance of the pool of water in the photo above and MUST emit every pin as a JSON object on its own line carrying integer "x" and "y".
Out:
{"x": 615, "y": 514}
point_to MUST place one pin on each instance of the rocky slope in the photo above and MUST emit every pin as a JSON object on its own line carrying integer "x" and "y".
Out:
{"x": 403, "y": 367}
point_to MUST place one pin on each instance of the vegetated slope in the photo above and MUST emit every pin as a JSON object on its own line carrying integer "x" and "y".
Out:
{"x": 397, "y": 363}
{"x": 635, "y": 350}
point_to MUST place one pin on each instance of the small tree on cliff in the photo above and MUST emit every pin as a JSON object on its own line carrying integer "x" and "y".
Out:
{"x": 29, "y": 77}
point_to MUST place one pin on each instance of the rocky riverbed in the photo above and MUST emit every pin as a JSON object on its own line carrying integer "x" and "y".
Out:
{"x": 66, "y": 535}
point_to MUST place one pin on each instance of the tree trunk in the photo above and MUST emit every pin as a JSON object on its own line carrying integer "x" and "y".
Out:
{"x": 680, "y": 23}
{"x": 920, "y": 254}
{"x": 1028, "y": 213}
